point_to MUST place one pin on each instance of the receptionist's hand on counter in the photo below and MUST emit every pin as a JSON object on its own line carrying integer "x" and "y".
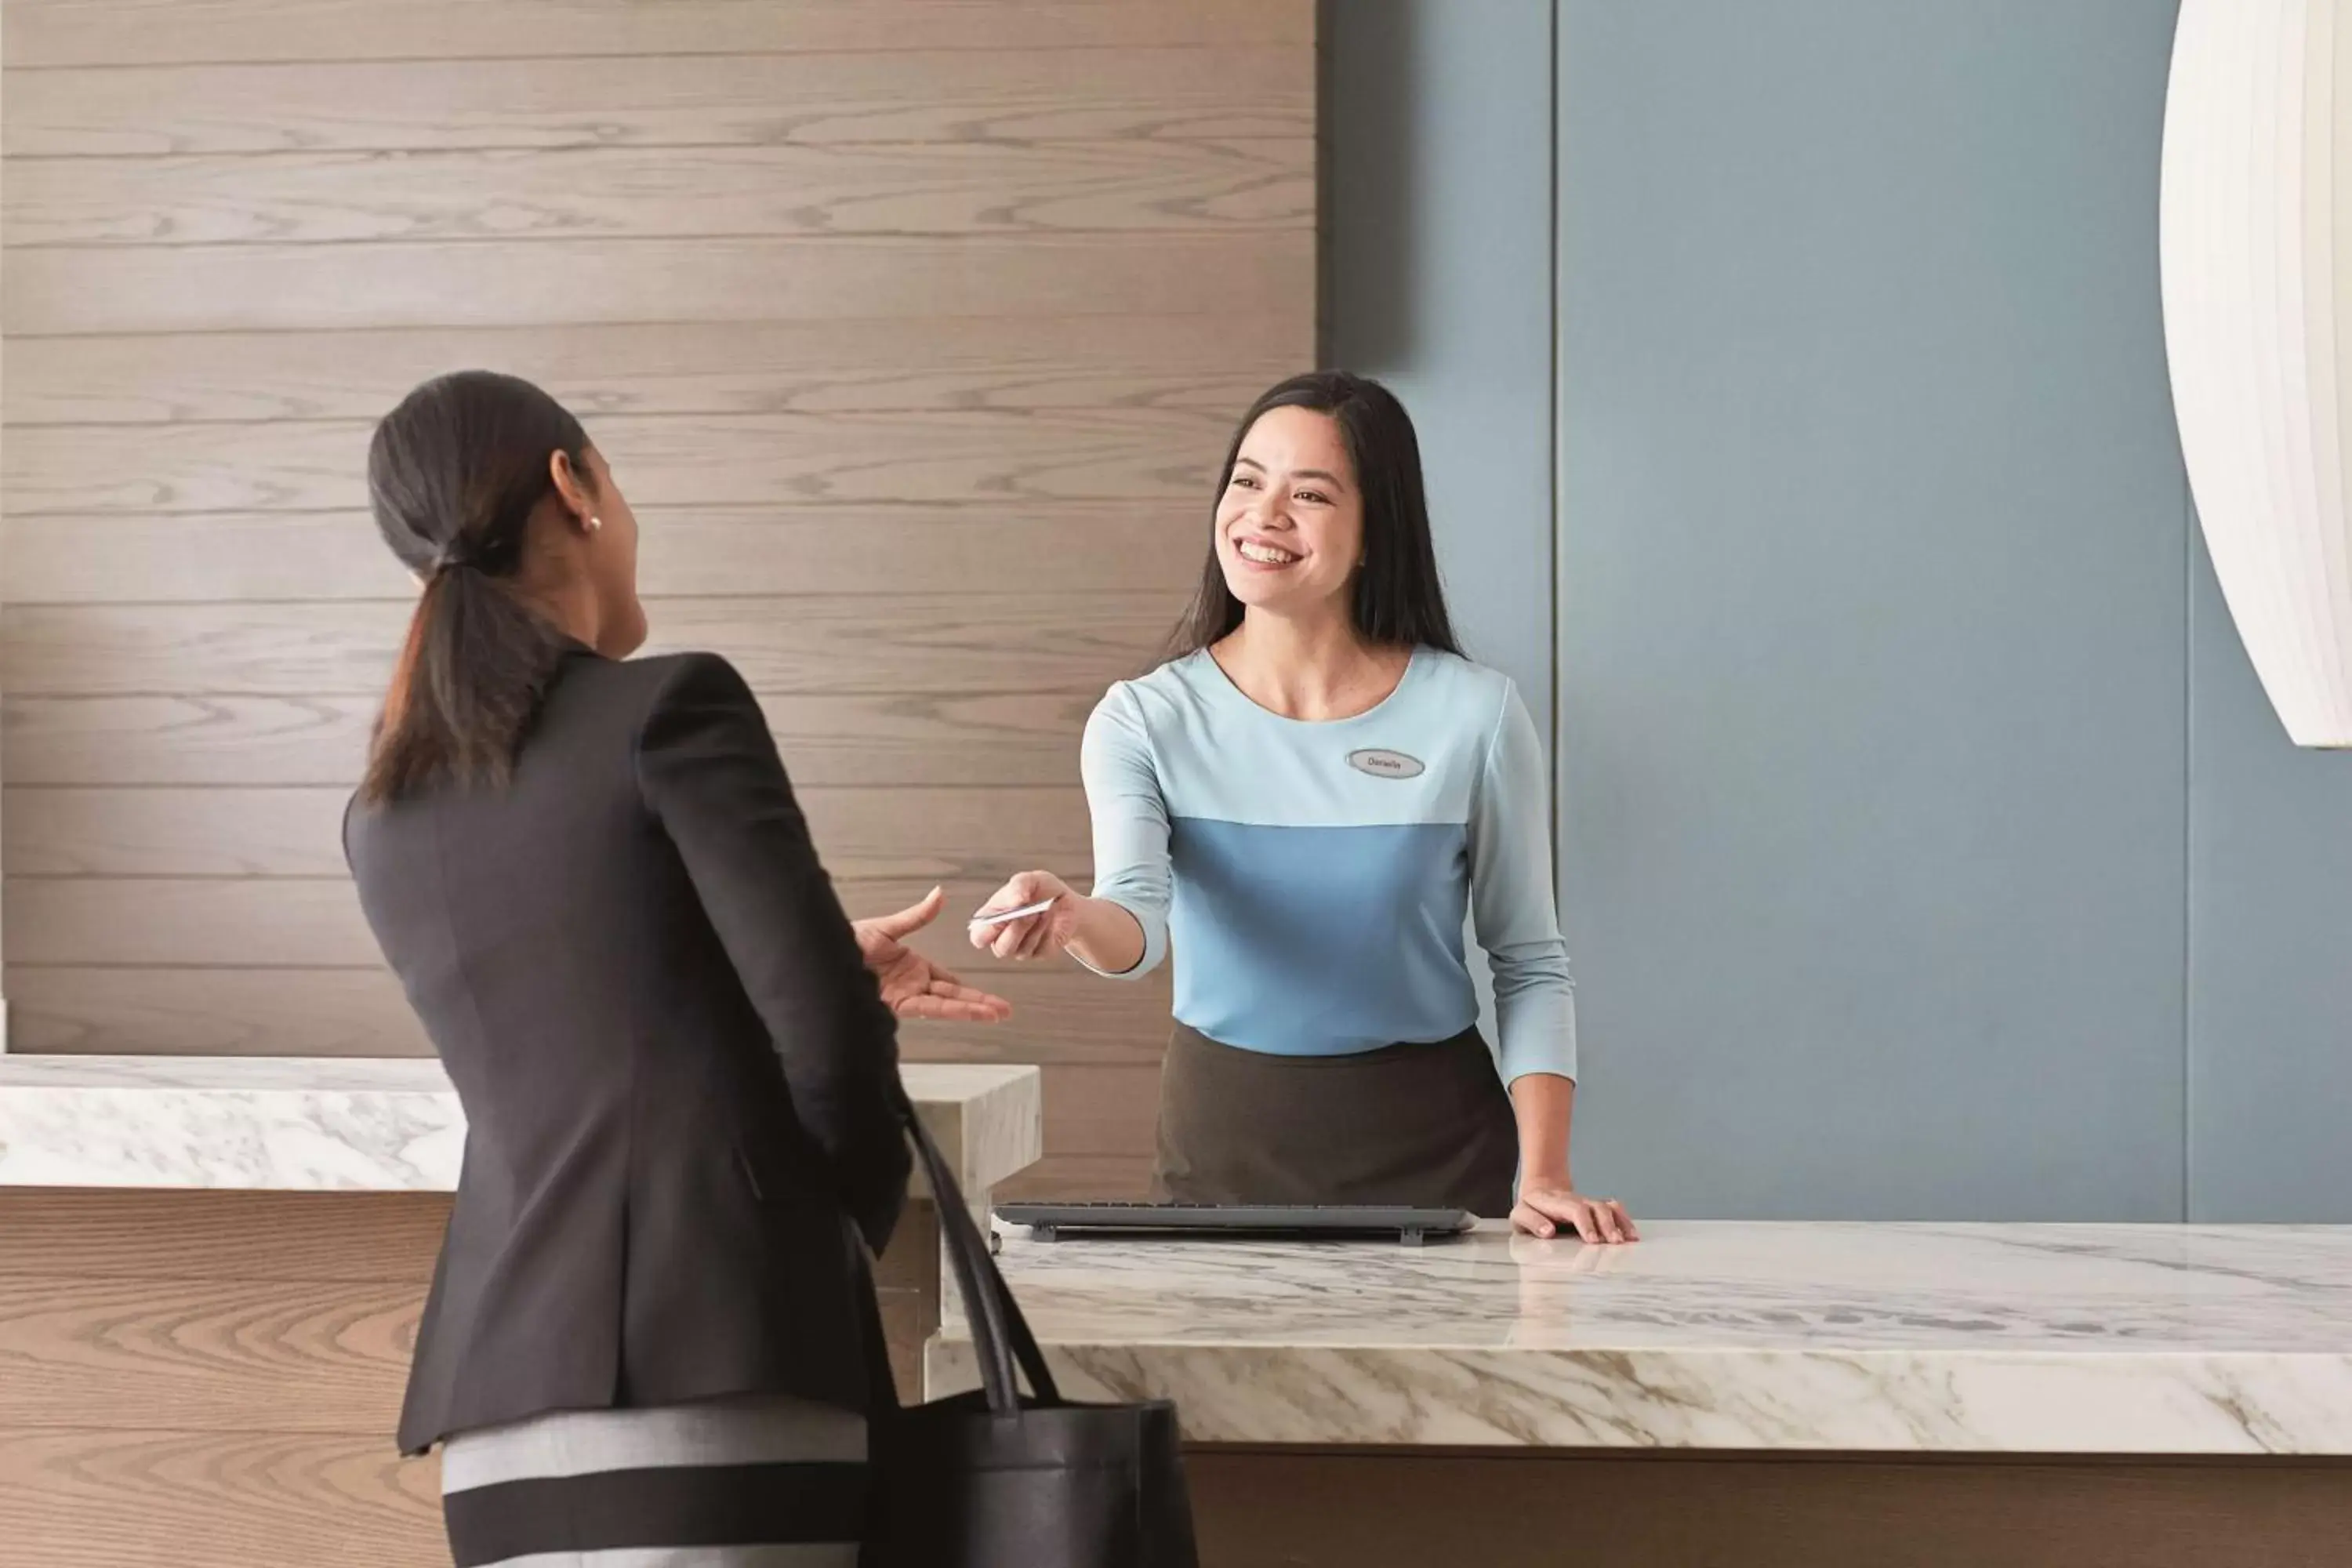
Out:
{"x": 1545, "y": 1206}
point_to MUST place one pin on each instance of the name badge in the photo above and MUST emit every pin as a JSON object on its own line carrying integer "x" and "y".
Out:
{"x": 1385, "y": 765}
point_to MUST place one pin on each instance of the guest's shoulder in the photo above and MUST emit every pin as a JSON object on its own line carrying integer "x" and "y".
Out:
{"x": 659, "y": 694}
{"x": 659, "y": 679}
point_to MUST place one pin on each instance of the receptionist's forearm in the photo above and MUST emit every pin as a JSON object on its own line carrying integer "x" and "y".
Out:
{"x": 1544, "y": 1104}
{"x": 1107, "y": 938}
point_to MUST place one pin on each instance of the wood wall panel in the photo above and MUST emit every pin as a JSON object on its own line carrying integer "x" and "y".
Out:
{"x": 1061, "y": 1014}
{"x": 203, "y": 1356}
{"x": 313, "y": 922}
{"x": 1067, "y": 547}
{"x": 913, "y": 328}
{"x": 832, "y": 646}
{"x": 914, "y": 364}
{"x": 1083, "y": 1177}
{"x": 1005, "y": 458}
{"x": 640, "y": 193}
{"x": 214, "y": 1011}
{"x": 68, "y": 289}
{"x": 967, "y": 835}
{"x": 192, "y": 922}
{"x": 1101, "y": 1108}
{"x": 76, "y": 1497}
{"x": 981, "y": 739}
{"x": 235, "y": 923}
{"x": 1209, "y": 93}
{"x": 356, "y": 1238}
{"x": 223, "y": 832}
{"x": 210, "y": 1379}
{"x": 43, "y": 33}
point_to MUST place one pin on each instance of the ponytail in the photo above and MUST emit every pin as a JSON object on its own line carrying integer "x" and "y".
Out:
{"x": 455, "y": 474}
{"x": 476, "y": 663}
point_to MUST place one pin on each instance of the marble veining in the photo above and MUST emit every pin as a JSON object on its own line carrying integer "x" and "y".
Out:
{"x": 380, "y": 1125}
{"x": 1977, "y": 1338}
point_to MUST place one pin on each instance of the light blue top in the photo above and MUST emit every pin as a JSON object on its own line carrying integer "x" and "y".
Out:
{"x": 1314, "y": 876}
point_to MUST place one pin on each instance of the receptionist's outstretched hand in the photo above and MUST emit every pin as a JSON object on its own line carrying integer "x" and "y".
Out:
{"x": 1030, "y": 936}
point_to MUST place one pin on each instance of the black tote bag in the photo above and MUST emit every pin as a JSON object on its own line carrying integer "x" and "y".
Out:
{"x": 992, "y": 1480}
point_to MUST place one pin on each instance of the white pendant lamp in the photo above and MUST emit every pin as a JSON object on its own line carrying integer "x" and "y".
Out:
{"x": 2255, "y": 236}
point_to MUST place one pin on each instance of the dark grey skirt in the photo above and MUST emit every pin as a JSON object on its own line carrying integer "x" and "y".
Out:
{"x": 1423, "y": 1124}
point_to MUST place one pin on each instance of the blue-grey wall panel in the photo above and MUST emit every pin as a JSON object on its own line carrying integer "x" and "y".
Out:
{"x": 2269, "y": 948}
{"x": 1873, "y": 571}
{"x": 1437, "y": 278}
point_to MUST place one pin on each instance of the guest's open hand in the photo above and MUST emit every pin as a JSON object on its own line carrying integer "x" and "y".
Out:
{"x": 912, "y": 985}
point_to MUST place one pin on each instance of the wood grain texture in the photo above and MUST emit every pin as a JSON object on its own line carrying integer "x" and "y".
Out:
{"x": 985, "y": 738}
{"x": 1082, "y": 1177}
{"x": 914, "y": 328}
{"x": 657, "y": 193}
{"x": 1101, "y": 1108}
{"x": 220, "y": 1238}
{"x": 563, "y": 282}
{"x": 307, "y": 922}
{"x": 911, "y": 364}
{"x": 1070, "y": 547}
{"x": 44, "y": 33}
{"x": 1370, "y": 1509}
{"x": 1060, "y": 1013}
{"x": 942, "y": 644}
{"x": 76, "y": 1498}
{"x": 1210, "y": 91}
{"x": 204, "y": 1356}
{"x": 303, "y": 922}
{"x": 939, "y": 833}
{"x": 1003, "y": 458}
{"x": 212, "y": 1378}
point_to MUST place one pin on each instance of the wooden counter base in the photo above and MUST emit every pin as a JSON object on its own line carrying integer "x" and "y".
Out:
{"x": 210, "y": 1379}
{"x": 1396, "y": 1508}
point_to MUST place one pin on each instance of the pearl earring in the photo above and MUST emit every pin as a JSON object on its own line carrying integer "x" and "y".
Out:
{"x": 594, "y": 523}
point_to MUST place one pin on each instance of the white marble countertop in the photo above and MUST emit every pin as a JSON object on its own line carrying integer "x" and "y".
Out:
{"x": 1920, "y": 1338}
{"x": 309, "y": 1123}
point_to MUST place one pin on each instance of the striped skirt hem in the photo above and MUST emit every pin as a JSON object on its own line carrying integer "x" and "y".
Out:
{"x": 743, "y": 1483}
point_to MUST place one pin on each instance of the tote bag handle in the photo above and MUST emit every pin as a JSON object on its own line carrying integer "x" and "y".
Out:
{"x": 1000, "y": 1339}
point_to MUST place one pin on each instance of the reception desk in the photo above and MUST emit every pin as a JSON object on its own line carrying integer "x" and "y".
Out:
{"x": 210, "y": 1274}
{"x": 1750, "y": 1395}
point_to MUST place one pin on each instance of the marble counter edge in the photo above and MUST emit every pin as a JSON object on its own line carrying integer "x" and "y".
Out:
{"x": 344, "y": 1124}
{"x": 1991, "y": 1401}
{"x": 1824, "y": 1337}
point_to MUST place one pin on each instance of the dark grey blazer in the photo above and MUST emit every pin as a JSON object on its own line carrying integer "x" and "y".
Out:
{"x": 679, "y": 1077}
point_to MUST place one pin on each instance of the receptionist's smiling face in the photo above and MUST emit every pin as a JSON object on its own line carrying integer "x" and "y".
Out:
{"x": 1290, "y": 525}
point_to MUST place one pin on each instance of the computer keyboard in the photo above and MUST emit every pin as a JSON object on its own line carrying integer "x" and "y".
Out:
{"x": 1051, "y": 1222}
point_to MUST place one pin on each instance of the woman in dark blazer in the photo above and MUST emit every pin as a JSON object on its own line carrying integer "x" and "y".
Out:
{"x": 645, "y": 1335}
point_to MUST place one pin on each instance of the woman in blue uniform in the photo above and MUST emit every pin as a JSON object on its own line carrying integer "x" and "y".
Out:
{"x": 1302, "y": 806}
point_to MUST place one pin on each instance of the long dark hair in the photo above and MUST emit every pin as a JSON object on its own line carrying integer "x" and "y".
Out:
{"x": 1398, "y": 600}
{"x": 454, "y": 476}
